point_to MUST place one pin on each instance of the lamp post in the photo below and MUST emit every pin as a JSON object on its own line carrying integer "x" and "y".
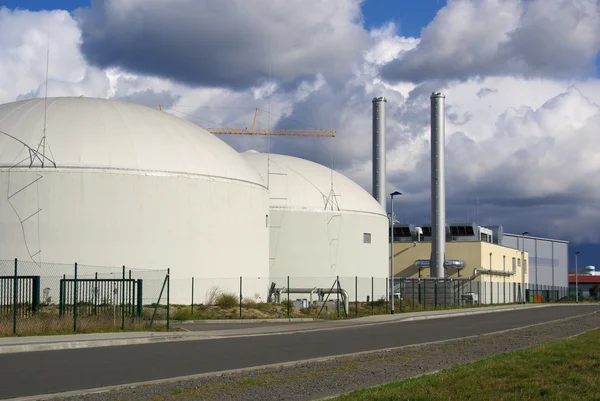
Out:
{"x": 392, "y": 219}
{"x": 576, "y": 280}
{"x": 523, "y": 265}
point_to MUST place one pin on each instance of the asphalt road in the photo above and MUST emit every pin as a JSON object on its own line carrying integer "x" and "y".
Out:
{"x": 33, "y": 373}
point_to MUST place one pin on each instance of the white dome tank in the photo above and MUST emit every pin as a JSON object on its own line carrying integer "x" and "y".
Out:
{"x": 319, "y": 230}
{"x": 132, "y": 186}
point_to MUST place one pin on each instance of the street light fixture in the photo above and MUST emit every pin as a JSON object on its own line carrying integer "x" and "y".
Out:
{"x": 392, "y": 220}
{"x": 576, "y": 279}
{"x": 523, "y": 265}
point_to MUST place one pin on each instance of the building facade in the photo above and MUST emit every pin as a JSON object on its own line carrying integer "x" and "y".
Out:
{"x": 549, "y": 258}
{"x": 497, "y": 263}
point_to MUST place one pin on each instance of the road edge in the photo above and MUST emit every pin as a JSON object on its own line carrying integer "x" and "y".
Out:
{"x": 104, "y": 389}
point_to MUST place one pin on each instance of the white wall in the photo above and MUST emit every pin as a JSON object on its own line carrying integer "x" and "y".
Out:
{"x": 314, "y": 247}
{"x": 202, "y": 227}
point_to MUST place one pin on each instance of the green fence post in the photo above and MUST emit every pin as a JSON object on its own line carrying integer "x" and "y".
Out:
{"x": 75, "y": 300}
{"x": 401, "y": 294}
{"x": 424, "y": 294}
{"x": 355, "y": 296}
{"x": 445, "y": 295}
{"x": 168, "y": 297}
{"x": 129, "y": 296}
{"x": 192, "y": 297}
{"x": 15, "y": 288}
{"x": 62, "y": 296}
{"x": 337, "y": 280}
{"x": 36, "y": 294}
{"x": 288, "y": 297}
{"x": 413, "y": 294}
{"x": 159, "y": 298}
{"x": 372, "y": 293}
{"x": 240, "y": 297}
{"x": 95, "y": 293}
{"x": 140, "y": 298}
{"x": 123, "y": 300}
{"x": 387, "y": 295}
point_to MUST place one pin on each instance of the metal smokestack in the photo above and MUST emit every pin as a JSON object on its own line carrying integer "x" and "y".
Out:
{"x": 379, "y": 150}
{"x": 438, "y": 187}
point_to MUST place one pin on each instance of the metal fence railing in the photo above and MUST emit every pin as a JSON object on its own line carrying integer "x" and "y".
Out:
{"x": 52, "y": 298}
{"x": 333, "y": 297}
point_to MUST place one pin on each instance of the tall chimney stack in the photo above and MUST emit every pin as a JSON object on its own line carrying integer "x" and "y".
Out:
{"x": 379, "y": 150}
{"x": 438, "y": 187}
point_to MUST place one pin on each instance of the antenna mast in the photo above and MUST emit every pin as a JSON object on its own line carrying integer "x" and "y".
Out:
{"x": 45, "y": 104}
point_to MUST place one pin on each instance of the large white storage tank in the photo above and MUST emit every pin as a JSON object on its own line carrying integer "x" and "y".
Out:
{"x": 323, "y": 225}
{"x": 132, "y": 186}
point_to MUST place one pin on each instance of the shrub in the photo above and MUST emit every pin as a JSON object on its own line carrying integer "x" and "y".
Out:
{"x": 226, "y": 300}
{"x": 211, "y": 295}
{"x": 183, "y": 314}
{"x": 249, "y": 303}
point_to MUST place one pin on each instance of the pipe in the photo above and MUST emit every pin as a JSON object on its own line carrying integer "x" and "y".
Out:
{"x": 379, "y": 150}
{"x": 438, "y": 188}
{"x": 319, "y": 291}
{"x": 455, "y": 264}
{"x": 480, "y": 271}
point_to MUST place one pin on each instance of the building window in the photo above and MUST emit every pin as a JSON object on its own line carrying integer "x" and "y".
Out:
{"x": 367, "y": 238}
{"x": 524, "y": 267}
{"x": 514, "y": 264}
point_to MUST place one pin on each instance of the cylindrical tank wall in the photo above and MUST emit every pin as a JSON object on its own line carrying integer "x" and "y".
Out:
{"x": 438, "y": 190}
{"x": 188, "y": 224}
{"x": 379, "y": 178}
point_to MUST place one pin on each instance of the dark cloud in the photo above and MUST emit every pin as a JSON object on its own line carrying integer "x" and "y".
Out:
{"x": 471, "y": 39}
{"x": 225, "y": 43}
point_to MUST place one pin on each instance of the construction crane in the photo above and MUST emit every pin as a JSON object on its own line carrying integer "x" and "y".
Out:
{"x": 272, "y": 132}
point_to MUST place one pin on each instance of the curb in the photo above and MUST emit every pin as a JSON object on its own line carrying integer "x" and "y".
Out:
{"x": 104, "y": 389}
{"x": 66, "y": 345}
{"x": 243, "y": 321}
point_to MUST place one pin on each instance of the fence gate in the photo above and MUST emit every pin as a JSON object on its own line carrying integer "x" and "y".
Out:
{"x": 101, "y": 296}
{"x": 27, "y": 296}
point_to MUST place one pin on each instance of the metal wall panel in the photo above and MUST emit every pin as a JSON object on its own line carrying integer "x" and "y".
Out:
{"x": 548, "y": 258}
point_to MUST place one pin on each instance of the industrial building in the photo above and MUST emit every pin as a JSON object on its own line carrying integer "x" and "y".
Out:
{"x": 549, "y": 258}
{"x": 472, "y": 254}
{"x": 322, "y": 226}
{"x": 586, "y": 283}
{"x": 108, "y": 183}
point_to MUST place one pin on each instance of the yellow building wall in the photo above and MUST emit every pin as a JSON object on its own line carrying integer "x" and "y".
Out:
{"x": 475, "y": 254}
{"x": 498, "y": 257}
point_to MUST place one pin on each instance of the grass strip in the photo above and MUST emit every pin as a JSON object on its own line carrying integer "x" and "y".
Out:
{"x": 560, "y": 370}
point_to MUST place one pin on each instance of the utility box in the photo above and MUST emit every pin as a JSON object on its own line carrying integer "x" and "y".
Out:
{"x": 330, "y": 305}
{"x": 301, "y": 304}
{"x": 470, "y": 298}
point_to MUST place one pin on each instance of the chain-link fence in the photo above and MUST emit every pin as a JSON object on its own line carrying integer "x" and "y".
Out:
{"x": 340, "y": 297}
{"x": 52, "y": 298}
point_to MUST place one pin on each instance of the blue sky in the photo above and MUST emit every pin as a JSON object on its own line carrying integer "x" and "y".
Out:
{"x": 410, "y": 17}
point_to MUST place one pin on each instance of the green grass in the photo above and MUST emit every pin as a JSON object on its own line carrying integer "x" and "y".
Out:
{"x": 561, "y": 370}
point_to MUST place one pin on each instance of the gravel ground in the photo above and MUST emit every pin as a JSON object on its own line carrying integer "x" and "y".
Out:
{"x": 309, "y": 381}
